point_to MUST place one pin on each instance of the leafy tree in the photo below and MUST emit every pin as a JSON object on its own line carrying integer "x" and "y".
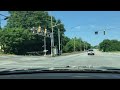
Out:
{"x": 109, "y": 45}
{"x": 64, "y": 41}
{"x": 25, "y": 20}
{"x": 86, "y": 45}
{"x": 13, "y": 40}
{"x": 29, "y": 19}
{"x": 79, "y": 45}
{"x": 95, "y": 47}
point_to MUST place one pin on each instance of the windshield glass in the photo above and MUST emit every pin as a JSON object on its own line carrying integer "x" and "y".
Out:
{"x": 90, "y": 50}
{"x": 52, "y": 39}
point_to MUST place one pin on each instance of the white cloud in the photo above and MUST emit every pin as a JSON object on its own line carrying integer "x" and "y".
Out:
{"x": 78, "y": 27}
{"x": 92, "y": 26}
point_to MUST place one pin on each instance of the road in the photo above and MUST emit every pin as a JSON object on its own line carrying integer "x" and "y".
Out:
{"x": 80, "y": 59}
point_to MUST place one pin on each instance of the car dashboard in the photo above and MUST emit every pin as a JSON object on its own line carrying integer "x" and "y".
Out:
{"x": 62, "y": 76}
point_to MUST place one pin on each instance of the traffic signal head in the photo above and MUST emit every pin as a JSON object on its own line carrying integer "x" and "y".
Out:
{"x": 39, "y": 29}
{"x": 96, "y": 32}
{"x": 45, "y": 30}
{"x": 104, "y": 32}
{"x": 6, "y": 18}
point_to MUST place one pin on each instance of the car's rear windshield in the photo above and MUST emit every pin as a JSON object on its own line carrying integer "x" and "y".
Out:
{"x": 90, "y": 50}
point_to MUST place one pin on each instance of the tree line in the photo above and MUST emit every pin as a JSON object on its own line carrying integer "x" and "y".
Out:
{"x": 109, "y": 45}
{"x": 16, "y": 37}
{"x": 76, "y": 44}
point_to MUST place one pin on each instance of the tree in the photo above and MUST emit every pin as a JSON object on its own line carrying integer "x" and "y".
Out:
{"x": 79, "y": 45}
{"x": 86, "y": 45}
{"x": 109, "y": 45}
{"x": 64, "y": 41}
{"x": 95, "y": 47}
{"x": 28, "y": 19}
{"x": 14, "y": 40}
{"x": 69, "y": 46}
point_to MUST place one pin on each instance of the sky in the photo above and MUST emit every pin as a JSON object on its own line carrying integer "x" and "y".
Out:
{"x": 83, "y": 24}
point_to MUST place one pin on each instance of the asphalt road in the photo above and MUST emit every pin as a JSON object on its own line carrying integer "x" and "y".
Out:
{"x": 81, "y": 59}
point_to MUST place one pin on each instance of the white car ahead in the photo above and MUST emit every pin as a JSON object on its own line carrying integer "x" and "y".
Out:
{"x": 91, "y": 52}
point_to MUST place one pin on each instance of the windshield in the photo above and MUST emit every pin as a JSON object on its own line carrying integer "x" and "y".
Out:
{"x": 57, "y": 39}
{"x": 90, "y": 50}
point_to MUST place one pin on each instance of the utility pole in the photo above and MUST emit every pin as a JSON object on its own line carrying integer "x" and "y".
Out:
{"x": 83, "y": 46}
{"x": 61, "y": 43}
{"x": 74, "y": 44}
{"x": 45, "y": 42}
{"x": 59, "y": 40}
{"x": 86, "y": 46}
{"x": 52, "y": 39}
{"x": 80, "y": 46}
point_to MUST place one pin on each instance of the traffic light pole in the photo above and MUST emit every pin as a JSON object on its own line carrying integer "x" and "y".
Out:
{"x": 59, "y": 41}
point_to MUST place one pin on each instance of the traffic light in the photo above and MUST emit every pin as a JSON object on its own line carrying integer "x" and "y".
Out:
{"x": 39, "y": 29}
{"x": 45, "y": 30}
{"x": 104, "y": 32}
{"x": 96, "y": 32}
{"x": 6, "y": 18}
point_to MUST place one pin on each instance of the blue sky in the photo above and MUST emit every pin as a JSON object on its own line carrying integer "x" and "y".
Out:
{"x": 83, "y": 24}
